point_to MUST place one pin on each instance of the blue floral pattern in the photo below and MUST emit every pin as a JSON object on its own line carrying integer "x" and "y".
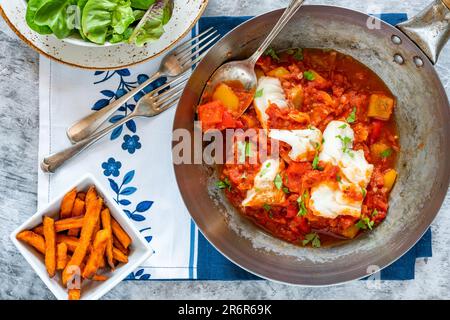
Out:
{"x": 148, "y": 238}
{"x": 131, "y": 143}
{"x": 111, "y": 167}
{"x": 123, "y": 191}
{"x": 138, "y": 275}
{"x": 123, "y": 87}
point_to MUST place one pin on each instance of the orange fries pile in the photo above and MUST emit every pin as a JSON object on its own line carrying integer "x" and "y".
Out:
{"x": 85, "y": 241}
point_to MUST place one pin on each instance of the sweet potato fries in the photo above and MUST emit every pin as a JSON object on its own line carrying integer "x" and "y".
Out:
{"x": 84, "y": 243}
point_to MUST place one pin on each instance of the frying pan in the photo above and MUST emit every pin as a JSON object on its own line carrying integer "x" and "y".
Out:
{"x": 403, "y": 57}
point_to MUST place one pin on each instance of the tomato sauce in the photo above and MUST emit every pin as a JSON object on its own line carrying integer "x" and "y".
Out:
{"x": 320, "y": 86}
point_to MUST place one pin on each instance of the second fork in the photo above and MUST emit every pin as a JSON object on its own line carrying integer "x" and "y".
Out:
{"x": 149, "y": 105}
{"x": 175, "y": 64}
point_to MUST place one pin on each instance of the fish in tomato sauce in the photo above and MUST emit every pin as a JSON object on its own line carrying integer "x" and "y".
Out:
{"x": 338, "y": 143}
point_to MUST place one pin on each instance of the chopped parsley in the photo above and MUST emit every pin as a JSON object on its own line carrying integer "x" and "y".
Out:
{"x": 259, "y": 93}
{"x": 298, "y": 54}
{"x": 309, "y": 75}
{"x": 301, "y": 204}
{"x": 266, "y": 207}
{"x": 346, "y": 143}
{"x": 313, "y": 238}
{"x": 365, "y": 223}
{"x": 265, "y": 169}
{"x": 241, "y": 151}
{"x": 386, "y": 153}
{"x": 374, "y": 213}
{"x": 271, "y": 52}
{"x": 285, "y": 190}
{"x": 278, "y": 181}
{"x": 263, "y": 172}
{"x": 244, "y": 150}
{"x": 352, "y": 117}
{"x": 364, "y": 192}
{"x": 338, "y": 178}
{"x": 224, "y": 184}
{"x": 248, "y": 149}
{"x": 343, "y": 126}
{"x": 315, "y": 163}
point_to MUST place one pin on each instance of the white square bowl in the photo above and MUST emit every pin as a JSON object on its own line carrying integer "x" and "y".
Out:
{"x": 140, "y": 250}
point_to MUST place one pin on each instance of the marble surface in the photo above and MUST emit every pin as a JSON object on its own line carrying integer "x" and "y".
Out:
{"x": 19, "y": 68}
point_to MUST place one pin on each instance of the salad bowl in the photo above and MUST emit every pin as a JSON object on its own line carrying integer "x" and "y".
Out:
{"x": 75, "y": 51}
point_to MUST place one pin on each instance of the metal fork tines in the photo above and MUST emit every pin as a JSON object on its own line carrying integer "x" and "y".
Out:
{"x": 161, "y": 98}
{"x": 176, "y": 63}
{"x": 149, "y": 105}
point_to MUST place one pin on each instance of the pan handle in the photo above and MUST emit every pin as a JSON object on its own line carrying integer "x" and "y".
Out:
{"x": 430, "y": 29}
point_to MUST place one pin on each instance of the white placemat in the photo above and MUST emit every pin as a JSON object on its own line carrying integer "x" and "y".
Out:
{"x": 134, "y": 162}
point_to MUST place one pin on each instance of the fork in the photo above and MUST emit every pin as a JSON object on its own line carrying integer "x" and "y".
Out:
{"x": 149, "y": 105}
{"x": 173, "y": 65}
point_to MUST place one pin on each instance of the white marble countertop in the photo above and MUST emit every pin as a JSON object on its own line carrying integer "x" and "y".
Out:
{"x": 18, "y": 185}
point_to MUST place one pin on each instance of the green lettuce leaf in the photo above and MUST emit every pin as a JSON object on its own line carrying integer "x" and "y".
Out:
{"x": 116, "y": 38}
{"x": 99, "y": 16}
{"x": 142, "y": 4}
{"x": 56, "y": 15}
{"x": 151, "y": 26}
{"x": 138, "y": 14}
{"x": 122, "y": 17}
{"x": 96, "y": 19}
{"x": 32, "y": 8}
{"x": 81, "y": 4}
{"x": 100, "y": 20}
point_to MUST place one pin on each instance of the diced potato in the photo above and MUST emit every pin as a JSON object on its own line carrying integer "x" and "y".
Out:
{"x": 259, "y": 72}
{"x": 350, "y": 232}
{"x": 226, "y": 95}
{"x": 296, "y": 95}
{"x": 380, "y": 106}
{"x": 377, "y": 149}
{"x": 389, "y": 179}
{"x": 278, "y": 72}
